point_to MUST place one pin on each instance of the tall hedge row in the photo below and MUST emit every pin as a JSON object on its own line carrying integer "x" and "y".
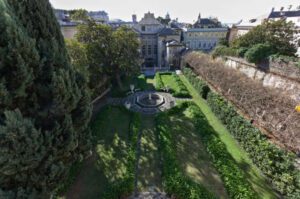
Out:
{"x": 275, "y": 163}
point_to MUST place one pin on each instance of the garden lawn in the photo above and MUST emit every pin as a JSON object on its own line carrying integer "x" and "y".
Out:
{"x": 149, "y": 172}
{"x": 253, "y": 174}
{"x": 169, "y": 81}
{"x": 191, "y": 154}
{"x": 108, "y": 163}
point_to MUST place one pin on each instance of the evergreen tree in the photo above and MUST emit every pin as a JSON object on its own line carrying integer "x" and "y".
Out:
{"x": 44, "y": 104}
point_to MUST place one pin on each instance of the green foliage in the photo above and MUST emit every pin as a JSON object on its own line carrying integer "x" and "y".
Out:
{"x": 224, "y": 51}
{"x": 173, "y": 82}
{"x": 233, "y": 177}
{"x": 242, "y": 51}
{"x": 275, "y": 163}
{"x": 125, "y": 186}
{"x": 159, "y": 85}
{"x": 198, "y": 84}
{"x": 174, "y": 181}
{"x": 45, "y": 107}
{"x": 181, "y": 88}
{"x": 79, "y": 15}
{"x": 113, "y": 52}
{"x": 279, "y": 34}
{"x": 258, "y": 53}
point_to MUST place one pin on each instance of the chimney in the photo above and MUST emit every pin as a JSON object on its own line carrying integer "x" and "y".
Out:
{"x": 134, "y": 18}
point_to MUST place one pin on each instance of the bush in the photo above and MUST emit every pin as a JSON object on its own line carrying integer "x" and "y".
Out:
{"x": 275, "y": 163}
{"x": 242, "y": 51}
{"x": 224, "y": 51}
{"x": 233, "y": 177}
{"x": 125, "y": 186}
{"x": 159, "y": 85}
{"x": 202, "y": 88}
{"x": 182, "y": 90}
{"x": 258, "y": 53}
{"x": 174, "y": 181}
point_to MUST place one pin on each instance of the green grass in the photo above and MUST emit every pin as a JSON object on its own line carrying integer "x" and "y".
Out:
{"x": 169, "y": 81}
{"x": 108, "y": 163}
{"x": 149, "y": 175}
{"x": 253, "y": 174}
{"x": 191, "y": 154}
{"x": 140, "y": 82}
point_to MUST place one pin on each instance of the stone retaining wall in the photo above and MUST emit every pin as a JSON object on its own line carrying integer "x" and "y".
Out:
{"x": 282, "y": 77}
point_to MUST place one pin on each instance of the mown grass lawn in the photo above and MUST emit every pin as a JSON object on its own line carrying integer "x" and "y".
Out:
{"x": 108, "y": 163}
{"x": 191, "y": 154}
{"x": 169, "y": 82}
{"x": 253, "y": 174}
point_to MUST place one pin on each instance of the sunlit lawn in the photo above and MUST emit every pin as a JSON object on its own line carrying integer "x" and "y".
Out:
{"x": 253, "y": 175}
{"x": 108, "y": 164}
{"x": 169, "y": 81}
{"x": 191, "y": 154}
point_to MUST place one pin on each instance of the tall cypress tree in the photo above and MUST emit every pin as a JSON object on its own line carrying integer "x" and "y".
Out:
{"x": 44, "y": 104}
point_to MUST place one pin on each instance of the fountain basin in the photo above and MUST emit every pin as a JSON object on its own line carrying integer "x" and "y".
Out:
{"x": 150, "y": 100}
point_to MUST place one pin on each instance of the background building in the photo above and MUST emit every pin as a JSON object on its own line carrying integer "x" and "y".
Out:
{"x": 205, "y": 34}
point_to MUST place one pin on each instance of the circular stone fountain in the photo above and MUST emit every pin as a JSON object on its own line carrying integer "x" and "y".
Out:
{"x": 150, "y": 100}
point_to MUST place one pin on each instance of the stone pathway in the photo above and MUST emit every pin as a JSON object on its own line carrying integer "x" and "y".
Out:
{"x": 149, "y": 195}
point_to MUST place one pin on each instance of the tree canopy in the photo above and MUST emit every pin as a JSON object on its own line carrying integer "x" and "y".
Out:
{"x": 44, "y": 104}
{"x": 79, "y": 15}
{"x": 280, "y": 35}
{"x": 113, "y": 52}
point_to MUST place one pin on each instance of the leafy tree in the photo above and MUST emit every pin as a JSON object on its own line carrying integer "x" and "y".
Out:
{"x": 258, "y": 53}
{"x": 163, "y": 20}
{"x": 79, "y": 15}
{"x": 280, "y": 35}
{"x": 112, "y": 52}
{"x": 78, "y": 55}
{"x": 44, "y": 106}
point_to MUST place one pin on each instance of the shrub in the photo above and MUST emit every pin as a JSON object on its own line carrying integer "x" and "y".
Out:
{"x": 242, "y": 51}
{"x": 275, "y": 163}
{"x": 182, "y": 90}
{"x": 125, "y": 186}
{"x": 202, "y": 88}
{"x": 258, "y": 53}
{"x": 224, "y": 51}
{"x": 159, "y": 85}
{"x": 174, "y": 181}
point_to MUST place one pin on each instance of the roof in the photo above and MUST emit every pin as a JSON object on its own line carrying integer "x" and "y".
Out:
{"x": 149, "y": 19}
{"x": 279, "y": 14}
{"x": 167, "y": 31}
{"x": 207, "y": 21}
{"x": 207, "y": 30}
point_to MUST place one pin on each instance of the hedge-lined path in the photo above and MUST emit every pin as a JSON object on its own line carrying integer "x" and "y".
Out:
{"x": 254, "y": 176}
{"x": 149, "y": 169}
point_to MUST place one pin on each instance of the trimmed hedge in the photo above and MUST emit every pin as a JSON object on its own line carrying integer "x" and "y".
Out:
{"x": 199, "y": 85}
{"x": 181, "y": 91}
{"x": 232, "y": 176}
{"x": 125, "y": 187}
{"x": 175, "y": 182}
{"x": 275, "y": 163}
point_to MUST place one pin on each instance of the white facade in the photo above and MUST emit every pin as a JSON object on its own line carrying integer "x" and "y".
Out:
{"x": 204, "y": 38}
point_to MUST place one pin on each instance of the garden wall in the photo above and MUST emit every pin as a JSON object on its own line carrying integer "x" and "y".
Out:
{"x": 268, "y": 108}
{"x": 277, "y": 74}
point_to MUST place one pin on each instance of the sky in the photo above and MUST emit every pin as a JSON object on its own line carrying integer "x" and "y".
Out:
{"x": 227, "y": 11}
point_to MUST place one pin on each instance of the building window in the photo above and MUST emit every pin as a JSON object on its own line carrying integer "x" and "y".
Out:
{"x": 200, "y": 45}
{"x": 143, "y": 28}
{"x": 149, "y": 50}
{"x": 144, "y": 50}
{"x": 155, "y": 49}
{"x": 204, "y": 45}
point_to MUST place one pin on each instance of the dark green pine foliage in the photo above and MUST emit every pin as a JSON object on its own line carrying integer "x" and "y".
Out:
{"x": 44, "y": 105}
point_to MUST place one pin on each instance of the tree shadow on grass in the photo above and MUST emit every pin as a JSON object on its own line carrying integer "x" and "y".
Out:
{"x": 109, "y": 161}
